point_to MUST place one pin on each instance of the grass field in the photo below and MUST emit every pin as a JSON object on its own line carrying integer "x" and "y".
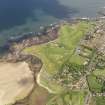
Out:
{"x": 55, "y": 53}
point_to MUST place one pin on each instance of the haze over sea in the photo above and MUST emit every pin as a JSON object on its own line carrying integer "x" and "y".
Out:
{"x": 19, "y": 16}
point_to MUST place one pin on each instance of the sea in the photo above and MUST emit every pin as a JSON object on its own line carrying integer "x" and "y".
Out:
{"x": 22, "y": 16}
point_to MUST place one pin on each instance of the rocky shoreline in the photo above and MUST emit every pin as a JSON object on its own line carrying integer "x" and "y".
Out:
{"x": 14, "y": 48}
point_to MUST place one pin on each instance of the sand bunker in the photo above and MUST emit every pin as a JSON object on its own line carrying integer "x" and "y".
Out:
{"x": 16, "y": 82}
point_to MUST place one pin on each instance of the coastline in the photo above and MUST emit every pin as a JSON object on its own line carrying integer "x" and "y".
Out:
{"x": 16, "y": 46}
{"x": 15, "y": 55}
